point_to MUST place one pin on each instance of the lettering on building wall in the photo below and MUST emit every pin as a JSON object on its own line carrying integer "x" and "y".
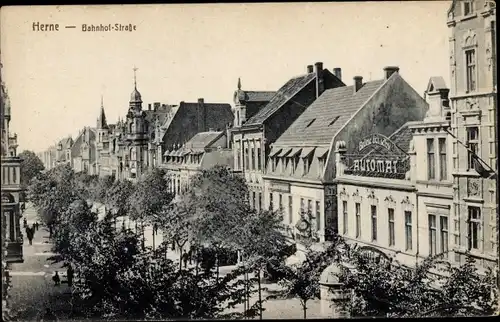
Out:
{"x": 377, "y": 156}
{"x": 277, "y": 186}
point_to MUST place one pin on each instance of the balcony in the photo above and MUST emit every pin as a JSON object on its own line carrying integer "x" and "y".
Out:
{"x": 14, "y": 252}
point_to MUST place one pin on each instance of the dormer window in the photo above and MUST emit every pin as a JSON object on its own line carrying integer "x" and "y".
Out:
{"x": 310, "y": 123}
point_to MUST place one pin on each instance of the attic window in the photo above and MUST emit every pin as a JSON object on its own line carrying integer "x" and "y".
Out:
{"x": 334, "y": 120}
{"x": 431, "y": 88}
{"x": 312, "y": 121}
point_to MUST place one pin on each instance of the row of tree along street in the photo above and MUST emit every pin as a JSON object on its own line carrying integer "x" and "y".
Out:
{"x": 117, "y": 276}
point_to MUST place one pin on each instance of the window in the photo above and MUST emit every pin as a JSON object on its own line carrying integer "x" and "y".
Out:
{"x": 474, "y": 227}
{"x": 374, "y": 222}
{"x": 254, "y": 199}
{"x": 274, "y": 163}
{"x": 468, "y": 8}
{"x": 260, "y": 200}
{"x": 237, "y": 118}
{"x": 14, "y": 175}
{"x": 293, "y": 165}
{"x": 253, "y": 158}
{"x": 238, "y": 155}
{"x": 473, "y": 144}
{"x": 333, "y": 120}
{"x": 344, "y": 211}
{"x": 310, "y": 123}
{"x": 391, "y": 227}
{"x": 442, "y": 159}
{"x": 358, "y": 219}
{"x": 259, "y": 160}
{"x": 302, "y": 205}
{"x": 321, "y": 165}
{"x": 408, "y": 231}
{"x": 290, "y": 210}
{"x": 432, "y": 235}
{"x": 271, "y": 201}
{"x": 281, "y": 202}
{"x": 431, "y": 171}
{"x": 318, "y": 215}
{"x": 309, "y": 209}
{"x": 247, "y": 157}
{"x": 470, "y": 63}
{"x": 443, "y": 225}
{"x": 306, "y": 165}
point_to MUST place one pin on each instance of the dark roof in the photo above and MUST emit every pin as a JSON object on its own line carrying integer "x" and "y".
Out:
{"x": 283, "y": 95}
{"x": 402, "y": 137}
{"x": 202, "y": 140}
{"x": 218, "y": 114}
{"x": 319, "y": 123}
{"x": 255, "y": 96}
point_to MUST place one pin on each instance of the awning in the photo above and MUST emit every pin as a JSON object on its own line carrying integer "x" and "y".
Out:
{"x": 175, "y": 153}
{"x": 167, "y": 153}
{"x": 275, "y": 151}
{"x": 295, "y": 151}
{"x": 184, "y": 152}
{"x": 285, "y": 152}
{"x": 306, "y": 152}
{"x": 321, "y": 152}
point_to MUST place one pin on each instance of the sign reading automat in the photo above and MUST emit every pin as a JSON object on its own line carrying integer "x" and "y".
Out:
{"x": 377, "y": 156}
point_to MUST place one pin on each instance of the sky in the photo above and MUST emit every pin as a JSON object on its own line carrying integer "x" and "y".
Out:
{"x": 55, "y": 79}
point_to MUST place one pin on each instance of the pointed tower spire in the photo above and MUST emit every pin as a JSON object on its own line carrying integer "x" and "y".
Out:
{"x": 135, "y": 77}
{"x": 101, "y": 121}
{"x": 239, "y": 83}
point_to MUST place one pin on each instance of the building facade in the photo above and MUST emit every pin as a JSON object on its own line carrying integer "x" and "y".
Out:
{"x": 473, "y": 125}
{"x": 301, "y": 171}
{"x": 83, "y": 151}
{"x": 202, "y": 152}
{"x": 253, "y": 138}
{"x": 12, "y": 238}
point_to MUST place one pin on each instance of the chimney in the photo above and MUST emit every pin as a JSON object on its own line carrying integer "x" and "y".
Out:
{"x": 320, "y": 86}
{"x": 149, "y": 107}
{"x": 358, "y": 82}
{"x": 202, "y": 115}
{"x": 338, "y": 72}
{"x": 319, "y": 67}
{"x": 439, "y": 104}
{"x": 389, "y": 70}
{"x": 310, "y": 69}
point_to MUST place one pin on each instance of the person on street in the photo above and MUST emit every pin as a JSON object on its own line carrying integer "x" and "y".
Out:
{"x": 36, "y": 225}
{"x": 70, "y": 274}
{"x": 30, "y": 234}
{"x": 56, "y": 279}
{"x": 185, "y": 258}
{"x": 25, "y": 223}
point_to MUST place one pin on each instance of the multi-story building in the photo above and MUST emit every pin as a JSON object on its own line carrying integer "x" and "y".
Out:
{"x": 202, "y": 152}
{"x": 83, "y": 151}
{"x": 63, "y": 151}
{"x": 12, "y": 239}
{"x": 301, "y": 169}
{"x": 253, "y": 134}
{"x": 474, "y": 223}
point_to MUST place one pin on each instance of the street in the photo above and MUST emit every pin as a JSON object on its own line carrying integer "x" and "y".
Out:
{"x": 32, "y": 287}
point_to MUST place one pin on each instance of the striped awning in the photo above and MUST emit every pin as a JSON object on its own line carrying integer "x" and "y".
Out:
{"x": 321, "y": 152}
{"x": 306, "y": 152}
{"x": 295, "y": 151}
{"x": 275, "y": 151}
{"x": 285, "y": 152}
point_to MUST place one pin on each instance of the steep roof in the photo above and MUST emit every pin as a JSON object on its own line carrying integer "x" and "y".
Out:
{"x": 319, "y": 123}
{"x": 216, "y": 112}
{"x": 255, "y": 96}
{"x": 436, "y": 83}
{"x": 203, "y": 139}
{"x": 402, "y": 137}
{"x": 283, "y": 95}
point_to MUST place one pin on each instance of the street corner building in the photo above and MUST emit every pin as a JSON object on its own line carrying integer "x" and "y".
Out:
{"x": 262, "y": 117}
{"x": 12, "y": 238}
{"x": 301, "y": 168}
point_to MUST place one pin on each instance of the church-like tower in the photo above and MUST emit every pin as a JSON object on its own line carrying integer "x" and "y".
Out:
{"x": 136, "y": 139}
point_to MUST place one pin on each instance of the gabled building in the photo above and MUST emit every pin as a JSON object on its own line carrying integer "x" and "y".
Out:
{"x": 63, "y": 151}
{"x": 202, "y": 152}
{"x": 184, "y": 121}
{"x": 474, "y": 119}
{"x": 301, "y": 168}
{"x": 83, "y": 151}
{"x": 255, "y": 133}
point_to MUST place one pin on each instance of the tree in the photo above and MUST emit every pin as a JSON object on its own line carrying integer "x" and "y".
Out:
{"x": 392, "y": 290}
{"x": 118, "y": 194}
{"x": 302, "y": 280}
{"x": 52, "y": 193}
{"x": 30, "y": 167}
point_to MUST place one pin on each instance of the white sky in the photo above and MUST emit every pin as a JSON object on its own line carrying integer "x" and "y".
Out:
{"x": 185, "y": 52}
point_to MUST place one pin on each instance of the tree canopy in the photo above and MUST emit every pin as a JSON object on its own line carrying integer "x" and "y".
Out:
{"x": 30, "y": 167}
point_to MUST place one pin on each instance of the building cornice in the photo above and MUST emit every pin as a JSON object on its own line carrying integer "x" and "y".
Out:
{"x": 302, "y": 182}
{"x": 382, "y": 183}
{"x": 474, "y": 94}
{"x": 434, "y": 195}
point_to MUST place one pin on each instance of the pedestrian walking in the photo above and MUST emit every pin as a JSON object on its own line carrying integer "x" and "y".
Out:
{"x": 25, "y": 223}
{"x": 185, "y": 258}
{"x": 30, "y": 235}
{"x": 36, "y": 225}
{"x": 56, "y": 279}
{"x": 69, "y": 274}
